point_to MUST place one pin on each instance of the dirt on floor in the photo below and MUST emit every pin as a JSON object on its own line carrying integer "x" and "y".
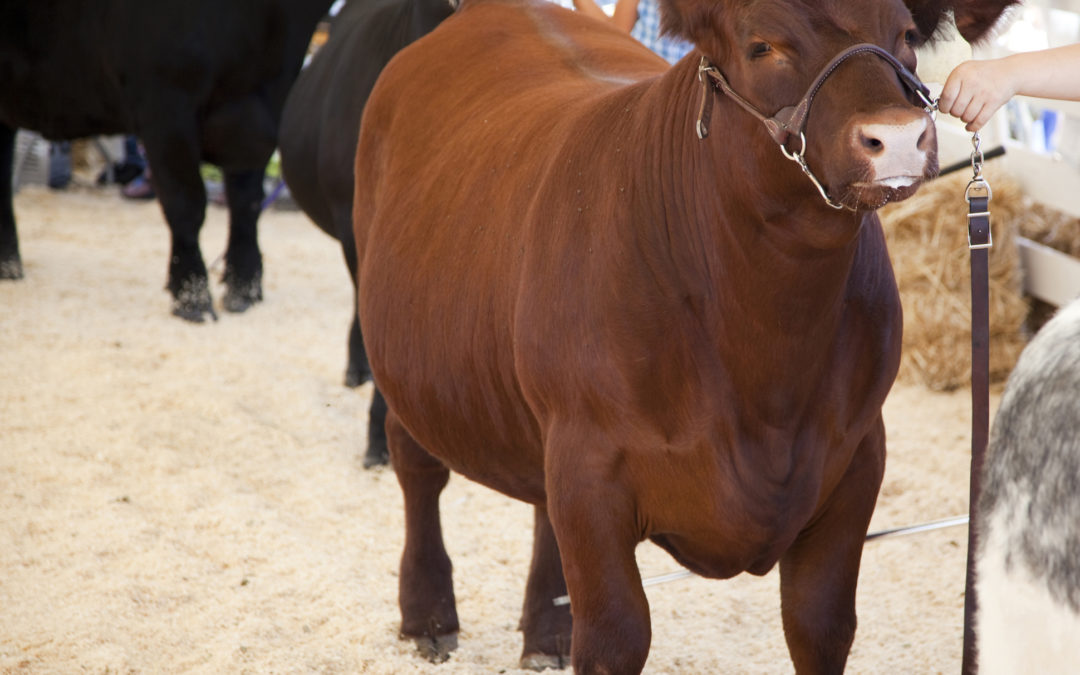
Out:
{"x": 189, "y": 498}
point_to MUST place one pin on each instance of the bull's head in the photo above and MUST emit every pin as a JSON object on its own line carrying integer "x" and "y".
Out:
{"x": 867, "y": 138}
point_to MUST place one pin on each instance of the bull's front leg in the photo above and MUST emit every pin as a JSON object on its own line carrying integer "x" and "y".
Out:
{"x": 546, "y": 627}
{"x": 10, "y": 262}
{"x": 818, "y": 574}
{"x": 243, "y": 261}
{"x": 173, "y": 155}
{"x": 593, "y": 514}
{"x": 425, "y": 585}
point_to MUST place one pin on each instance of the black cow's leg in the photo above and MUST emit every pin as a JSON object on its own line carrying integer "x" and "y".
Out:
{"x": 10, "y": 262}
{"x": 818, "y": 574}
{"x": 546, "y": 627}
{"x": 377, "y": 453}
{"x": 425, "y": 586}
{"x": 592, "y": 513}
{"x": 173, "y": 156}
{"x": 359, "y": 370}
{"x": 243, "y": 260}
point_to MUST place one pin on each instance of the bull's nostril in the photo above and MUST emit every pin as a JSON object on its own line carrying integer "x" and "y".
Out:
{"x": 874, "y": 145}
{"x": 925, "y": 138}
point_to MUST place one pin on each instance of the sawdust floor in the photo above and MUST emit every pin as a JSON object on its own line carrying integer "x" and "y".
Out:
{"x": 189, "y": 498}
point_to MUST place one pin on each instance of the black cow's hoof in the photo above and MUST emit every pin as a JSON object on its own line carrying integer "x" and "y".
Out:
{"x": 11, "y": 268}
{"x": 239, "y": 296}
{"x": 356, "y": 376}
{"x": 376, "y": 455}
{"x": 436, "y": 649}
{"x": 540, "y": 662}
{"x": 193, "y": 302}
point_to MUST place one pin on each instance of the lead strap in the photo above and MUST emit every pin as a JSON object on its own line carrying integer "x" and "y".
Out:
{"x": 978, "y": 195}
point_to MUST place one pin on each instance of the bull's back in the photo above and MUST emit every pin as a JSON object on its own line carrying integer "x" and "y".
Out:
{"x": 499, "y": 88}
{"x": 460, "y": 133}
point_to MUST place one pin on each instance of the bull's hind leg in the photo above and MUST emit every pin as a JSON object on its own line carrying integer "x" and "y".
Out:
{"x": 819, "y": 572}
{"x": 425, "y": 586}
{"x": 243, "y": 260}
{"x": 546, "y": 627}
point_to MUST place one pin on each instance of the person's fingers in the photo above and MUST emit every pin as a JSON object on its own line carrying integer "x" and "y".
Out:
{"x": 948, "y": 94}
{"x": 960, "y": 105}
{"x": 982, "y": 117}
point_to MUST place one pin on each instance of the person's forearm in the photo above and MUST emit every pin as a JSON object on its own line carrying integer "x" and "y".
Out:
{"x": 976, "y": 89}
{"x": 624, "y": 17}
{"x": 1052, "y": 73}
{"x": 590, "y": 8}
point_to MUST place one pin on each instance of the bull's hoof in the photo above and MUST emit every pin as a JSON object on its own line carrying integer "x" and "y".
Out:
{"x": 239, "y": 296}
{"x": 540, "y": 662}
{"x": 436, "y": 649}
{"x": 11, "y": 268}
{"x": 192, "y": 302}
{"x": 377, "y": 455}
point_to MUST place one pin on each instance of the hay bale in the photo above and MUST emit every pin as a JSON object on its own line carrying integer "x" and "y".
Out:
{"x": 927, "y": 238}
{"x": 1053, "y": 228}
{"x": 1059, "y": 231}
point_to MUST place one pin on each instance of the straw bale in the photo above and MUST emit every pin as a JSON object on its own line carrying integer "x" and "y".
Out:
{"x": 927, "y": 238}
{"x": 1054, "y": 229}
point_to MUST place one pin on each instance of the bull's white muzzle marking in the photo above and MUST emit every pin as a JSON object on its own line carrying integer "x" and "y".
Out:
{"x": 900, "y": 158}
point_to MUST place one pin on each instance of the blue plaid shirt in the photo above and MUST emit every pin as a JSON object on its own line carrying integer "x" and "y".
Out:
{"x": 647, "y": 31}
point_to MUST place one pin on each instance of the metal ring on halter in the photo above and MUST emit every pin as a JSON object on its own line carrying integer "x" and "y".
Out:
{"x": 931, "y": 107}
{"x": 799, "y": 159}
{"x": 795, "y": 156}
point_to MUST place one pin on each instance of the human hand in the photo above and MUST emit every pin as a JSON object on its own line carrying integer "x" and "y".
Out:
{"x": 976, "y": 89}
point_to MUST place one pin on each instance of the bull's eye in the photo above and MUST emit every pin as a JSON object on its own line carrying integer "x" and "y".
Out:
{"x": 759, "y": 49}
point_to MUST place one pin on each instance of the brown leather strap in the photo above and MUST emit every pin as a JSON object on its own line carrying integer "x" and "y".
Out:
{"x": 980, "y": 242}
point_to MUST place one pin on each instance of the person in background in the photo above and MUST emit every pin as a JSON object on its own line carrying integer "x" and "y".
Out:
{"x": 138, "y": 186}
{"x": 640, "y": 18}
{"x": 59, "y": 164}
{"x": 975, "y": 90}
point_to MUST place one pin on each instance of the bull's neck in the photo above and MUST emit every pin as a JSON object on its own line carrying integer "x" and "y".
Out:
{"x": 760, "y": 257}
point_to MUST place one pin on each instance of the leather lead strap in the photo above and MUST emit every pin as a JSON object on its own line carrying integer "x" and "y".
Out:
{"x": 980, "y": 241}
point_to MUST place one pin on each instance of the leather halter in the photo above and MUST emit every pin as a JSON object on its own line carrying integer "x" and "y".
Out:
{"x": 791, "y": 121}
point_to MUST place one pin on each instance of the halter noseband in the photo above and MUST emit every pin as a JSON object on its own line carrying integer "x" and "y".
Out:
{"x": 791, "y": 121}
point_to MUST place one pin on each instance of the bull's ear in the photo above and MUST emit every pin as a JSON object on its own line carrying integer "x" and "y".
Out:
{"x": 693, "y": 20}
{"x": 974, "y": 18}
{"x": 928, "y": 15}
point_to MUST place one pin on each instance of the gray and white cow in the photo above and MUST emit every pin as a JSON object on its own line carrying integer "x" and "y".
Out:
{"x": 1029, "y": 512}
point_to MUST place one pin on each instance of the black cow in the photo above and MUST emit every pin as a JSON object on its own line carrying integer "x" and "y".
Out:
{"x": 196, "y": 80}
{"x": 319, "y": 128}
